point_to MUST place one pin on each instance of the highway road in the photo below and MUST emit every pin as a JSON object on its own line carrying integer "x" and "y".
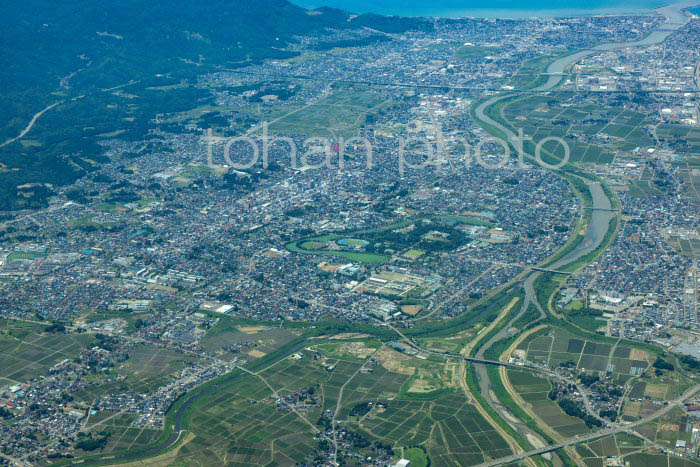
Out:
{"x": 602, "y": 214}
{"x": 599, "y": 434}
{"x": 30, "y": 124}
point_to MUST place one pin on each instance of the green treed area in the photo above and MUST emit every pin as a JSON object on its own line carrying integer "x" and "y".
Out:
{"x": 244, "y": 424}
{"x": 374, "y": 246}
{"x": 140, "y": 62}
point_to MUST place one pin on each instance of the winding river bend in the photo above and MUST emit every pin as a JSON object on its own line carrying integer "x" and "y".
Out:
{"x": 601, "y": 204}
{"x": 675, "y": 19}
{"x": 594, "y": 235}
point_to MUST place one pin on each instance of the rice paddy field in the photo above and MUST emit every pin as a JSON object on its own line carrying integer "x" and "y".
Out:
{"x": 533, "y": 389}
{"x": 147, "y": 368}
{"x": 556, "y": 346}
{"x": 634, "y": 451}
{"x": 454, "y": 431}
{"x": 340, "y": 113}
{"x": 255, "y": 341}
{"x": 123, "y": 434}
{"x": 674, "y": 132}
{"x": 593, "y": 132}
{"x": 648, "y": 392}
{"x": 26, "y": 351}
{"x": 252, "y": 422}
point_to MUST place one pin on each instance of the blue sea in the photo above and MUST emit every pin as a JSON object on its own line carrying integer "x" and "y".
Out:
{"x": 488, "y": 9}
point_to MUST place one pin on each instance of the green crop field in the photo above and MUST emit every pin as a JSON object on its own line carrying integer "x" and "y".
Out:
{"x": 28, "y": 352}
{"x": 558, "y": 347}
{"x": 472, "y": 51}
{"x": 552, "y": 116}
{"x": 634, "y": 451}
{"x": 147, "y": 368}
{"x": 533, "y": 389}
{"x": 260, "y": 419}
{"x": 341, "y": 113}
{"x": 123, "y": 433}
{"x": 452, "y": 429}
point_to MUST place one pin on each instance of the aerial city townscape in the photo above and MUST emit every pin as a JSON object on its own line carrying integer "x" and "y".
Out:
{"x": 249, "y": 233}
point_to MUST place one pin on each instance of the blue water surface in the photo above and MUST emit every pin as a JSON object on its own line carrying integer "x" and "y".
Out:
{"x": 488, "y": 9}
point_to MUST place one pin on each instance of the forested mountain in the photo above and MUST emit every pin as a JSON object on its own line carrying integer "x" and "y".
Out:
{"x": 69, "y": 52}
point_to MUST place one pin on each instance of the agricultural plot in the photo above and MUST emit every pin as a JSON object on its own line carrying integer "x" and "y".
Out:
{"x": 147, "y": 368}
{"x": 123, "y": 434}
{"x": 681, "y": 133}
{"x": 453, "y": 431}
{"x": 558, "y": 346}
{"x": 357, "y": 351}
{"x": 533, "y": 389}
{"x": 592, "y": 133}
{"x": 688, "y": 173}
{"x": 340, "y": 113}
{"x": 631, "y": 451}
{"x": 26, "y": 352}
{"x": 474, "y": 51}
{"x": 668, "y": 429}
{"x": 377, "y": 385}
{"x": 228, "y": 340}
{"x": 243, "y": 422}
{"x": 620, "y": 445}
{"x": 659, "y": 388}
{"x": 148, "y": 360}
{"x": 642, "y": 189}
{"x": 263, "y": 420}
{"x": 246, "y": 423}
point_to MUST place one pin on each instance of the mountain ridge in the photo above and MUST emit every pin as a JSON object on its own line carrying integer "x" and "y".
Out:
{"x": 56, "y": 52}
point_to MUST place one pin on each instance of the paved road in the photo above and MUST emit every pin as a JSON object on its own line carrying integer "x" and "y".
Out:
{"x": 30, "y": 124}
{"x": 606, "y": 432}
{"x": 675, "y": 19}
{"x": 181, "y": 411}
{"x": 602, "y": 214}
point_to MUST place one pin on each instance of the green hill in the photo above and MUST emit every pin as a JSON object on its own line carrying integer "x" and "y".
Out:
{"x": 70, "y": 52}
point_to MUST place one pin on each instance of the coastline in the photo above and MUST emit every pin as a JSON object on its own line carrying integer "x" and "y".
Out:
{"x": 414, "y": 9}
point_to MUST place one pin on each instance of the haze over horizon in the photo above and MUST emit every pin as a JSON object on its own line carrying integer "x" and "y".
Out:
{"x": 477, "y": 8}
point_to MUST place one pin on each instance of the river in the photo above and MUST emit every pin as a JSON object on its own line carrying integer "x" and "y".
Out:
{"x": 601, "y": 215}
{"x": 600, "y": 220}
{"x": 594, "y": 234}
